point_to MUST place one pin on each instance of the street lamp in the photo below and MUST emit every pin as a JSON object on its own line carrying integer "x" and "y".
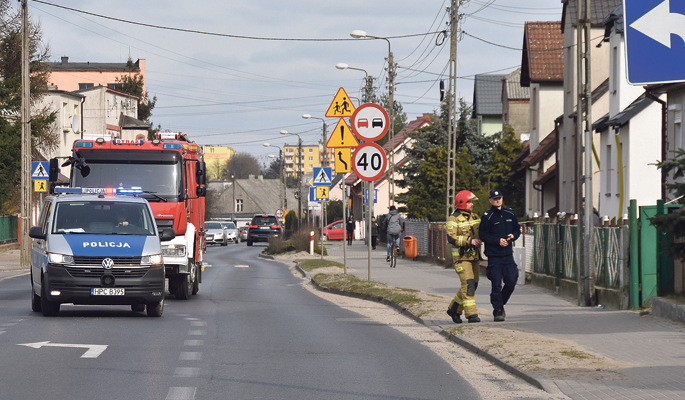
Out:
{"x": 323, "y": 137}
{"x": 299, "y": 177}
{"x": 368, "y": 85}
{"x": 357, "y": 34}
{"x": 281, "y": 156}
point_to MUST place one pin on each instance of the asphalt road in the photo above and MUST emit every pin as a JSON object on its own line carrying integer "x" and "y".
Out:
{"x": 253, "y": 331}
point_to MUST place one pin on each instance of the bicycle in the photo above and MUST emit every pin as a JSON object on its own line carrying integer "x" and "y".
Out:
{"x": 394, "y": 250}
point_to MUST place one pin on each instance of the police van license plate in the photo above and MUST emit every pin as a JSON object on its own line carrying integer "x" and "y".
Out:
{"x": 107, "y": 291}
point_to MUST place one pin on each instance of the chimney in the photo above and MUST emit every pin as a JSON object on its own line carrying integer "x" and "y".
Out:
{"x": 65, "y": 60}
{"x": 261, "y": 177}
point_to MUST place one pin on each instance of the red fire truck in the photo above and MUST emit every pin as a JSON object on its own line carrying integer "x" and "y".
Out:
{"x": 172, "y": 174}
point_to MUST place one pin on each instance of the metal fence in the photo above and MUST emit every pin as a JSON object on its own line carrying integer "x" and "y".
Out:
{"x": 9, "y": 229}
{"x": 556, "y": 252}
{"x": 431, "y": 237}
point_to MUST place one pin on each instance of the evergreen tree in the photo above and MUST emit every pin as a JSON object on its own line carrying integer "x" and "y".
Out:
{"x": 506, "y": 150}
{"x": 673, "y": 223}
{"x": 400, "y": 116}
{"x": 426, "y": 199}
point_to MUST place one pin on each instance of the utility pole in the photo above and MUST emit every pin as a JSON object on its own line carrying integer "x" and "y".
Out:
{"x": 391, "y": 99}
{"x": 299, "y": 181}
{"x": 452, "y": 108}
{"x": 25, "y": 139}
{"x": 584, "y": 145}
{"x": 368, "y": 95}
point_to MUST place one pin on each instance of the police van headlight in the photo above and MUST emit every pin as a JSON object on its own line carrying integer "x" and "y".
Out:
{"x": 174, "y": 250}
{"x": 61, "y": 259}
{"x": 154, "y": 260}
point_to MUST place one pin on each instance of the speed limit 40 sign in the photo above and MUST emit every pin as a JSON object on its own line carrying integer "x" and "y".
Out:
{"x": 369, "y": 161}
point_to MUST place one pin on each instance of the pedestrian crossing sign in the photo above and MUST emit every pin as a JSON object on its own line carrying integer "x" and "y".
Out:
{"x": 39, "y": 170}
{"x": 341, "y": 106}
{"x": 40, "y": 185}
{"x": 322, "y": 176}
{"x": 321, "y": 192}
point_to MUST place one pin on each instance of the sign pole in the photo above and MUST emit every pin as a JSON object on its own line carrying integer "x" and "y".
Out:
{"x": 344, "y": 207}
{"x": 369, "y": 214}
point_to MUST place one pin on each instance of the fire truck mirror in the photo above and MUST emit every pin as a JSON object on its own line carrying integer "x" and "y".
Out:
{"x": 54, "y": 170}
{"x": 201, "y": 191}
{"x": 201, "y": 173}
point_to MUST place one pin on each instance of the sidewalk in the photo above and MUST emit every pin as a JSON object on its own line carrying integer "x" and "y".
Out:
{"x": 654, "y": 345}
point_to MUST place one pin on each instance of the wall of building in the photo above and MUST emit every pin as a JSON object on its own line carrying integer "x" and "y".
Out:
{"x": 67, "y": 107}
{"x": 69, "y": 80}
{"x": 519, "y": 118}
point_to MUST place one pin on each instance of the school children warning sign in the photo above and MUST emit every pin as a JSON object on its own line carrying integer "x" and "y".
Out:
{"x": 341, "y": 106}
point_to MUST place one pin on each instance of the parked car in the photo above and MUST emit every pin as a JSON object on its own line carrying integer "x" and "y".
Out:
{"x": 333, "y": 231}
{"x": 243, "y": 232}
{"x": 215, "y": 233}
{"x": 263, "y": 227}
{"x": 231, "y": 231}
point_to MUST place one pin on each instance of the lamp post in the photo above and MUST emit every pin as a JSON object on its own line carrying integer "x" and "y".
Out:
{"x": 299, "y": 177}
{"x": 357, "y": 34}
{"x": 233, "y": 184}
{"x": 368, "y": 96}
{"x": 282, "y": 162}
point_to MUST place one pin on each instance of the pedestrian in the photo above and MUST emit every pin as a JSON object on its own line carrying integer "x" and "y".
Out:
{"x": 499, "y": 228}
{"x": 374, "y": 232}
{"x": 350, "y": 229}
{"x": 462, "y": 234}
{"x": 596, "y": 221}
{"x": 395, "y": 226}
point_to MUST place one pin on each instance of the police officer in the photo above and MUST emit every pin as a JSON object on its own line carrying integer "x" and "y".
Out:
{"x": 499, "y": 228}
{"x": 462, "y": 234}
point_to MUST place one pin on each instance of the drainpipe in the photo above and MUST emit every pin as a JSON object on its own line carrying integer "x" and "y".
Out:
{"x": 664, "y": 145}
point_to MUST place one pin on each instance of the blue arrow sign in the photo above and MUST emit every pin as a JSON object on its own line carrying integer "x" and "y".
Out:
{"x": 655, "y": 40}
{"x": 366, "y": 196}
{"x": 322, "y": 176}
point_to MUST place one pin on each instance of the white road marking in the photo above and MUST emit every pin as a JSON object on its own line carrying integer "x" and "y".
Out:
{"x": 197, "y": 333}
{"x": 1, "y": 332}
{"x": 190, "y": 356}
{"x": 94, "y": 350}
{"x": 191, "y": 319}
{"x": 242, "y": 266}
{"x": 198, "y": 323}
{"x": 181, "y": 393}
{"x": 185, "y": 372}
{"x": 194, "y": 343}
{"x": 207, "y": 265}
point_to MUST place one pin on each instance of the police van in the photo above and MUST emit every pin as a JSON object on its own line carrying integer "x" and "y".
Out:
{"x": 97, "y": 246}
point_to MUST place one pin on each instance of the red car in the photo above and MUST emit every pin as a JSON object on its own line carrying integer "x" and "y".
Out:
{"x": 333, "y": 231}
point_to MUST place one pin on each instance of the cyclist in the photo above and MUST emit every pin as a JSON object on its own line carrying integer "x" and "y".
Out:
{"x": 395, "y": 226}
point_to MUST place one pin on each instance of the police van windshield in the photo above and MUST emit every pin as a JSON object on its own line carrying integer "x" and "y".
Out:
{"x": 162, "y": 179}
{"x": 102, "y": 218}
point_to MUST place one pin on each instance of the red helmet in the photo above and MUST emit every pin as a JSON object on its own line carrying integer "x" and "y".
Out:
{"x": 462, "y": 198}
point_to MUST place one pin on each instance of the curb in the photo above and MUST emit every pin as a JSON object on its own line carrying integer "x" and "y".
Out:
{"x": 539, "y": 383}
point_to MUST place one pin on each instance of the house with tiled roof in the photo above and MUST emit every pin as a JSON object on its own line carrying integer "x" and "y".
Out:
{"x": 383, "y": 184}
{"x": 516, "y": 105}
{"x": 568, "y": 170}
{"x": 542, "y": 72}
{"x": 487, "y": 103}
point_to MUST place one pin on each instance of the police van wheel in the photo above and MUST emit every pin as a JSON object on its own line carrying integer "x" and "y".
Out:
{"x": 35, "y": 299}
{"x": 137, "y": 307}
{"x": 155, "y": 308}
{"x": 49, "y": 308}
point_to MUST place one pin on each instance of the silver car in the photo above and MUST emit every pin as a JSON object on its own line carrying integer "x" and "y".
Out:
{"x": 232, "y": 234}
{"x": 215, "y": 233}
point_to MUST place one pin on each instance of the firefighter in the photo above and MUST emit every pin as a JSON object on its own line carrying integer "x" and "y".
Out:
{"x": 462, "y": 234}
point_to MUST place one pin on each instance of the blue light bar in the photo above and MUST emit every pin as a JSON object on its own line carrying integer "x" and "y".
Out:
{"x": 83, "y": 143}
{"x": 176, "y": 146}
{"x": 121, "y": 190}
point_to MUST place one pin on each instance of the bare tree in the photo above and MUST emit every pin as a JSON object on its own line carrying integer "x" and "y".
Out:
{"x": 242, "y": 165}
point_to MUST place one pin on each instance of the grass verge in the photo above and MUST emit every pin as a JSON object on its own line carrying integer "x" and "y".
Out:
{"x": 352, "y": 284}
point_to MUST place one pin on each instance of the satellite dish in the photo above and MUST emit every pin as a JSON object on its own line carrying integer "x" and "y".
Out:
{"x": 74, "y": 123}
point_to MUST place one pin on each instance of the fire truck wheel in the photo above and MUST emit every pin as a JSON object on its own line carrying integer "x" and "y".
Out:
{"x": 173, "y": 285}
{"x": 185, "y": 287}
{"x": 196, "y": 282}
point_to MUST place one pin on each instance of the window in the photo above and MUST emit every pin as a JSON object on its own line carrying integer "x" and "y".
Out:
{"x": 534, "y": 108}
{"x": 65, "y": 116}
{"x": 311, "y": 150}
{"x": 614, "y": 69}
{"x": 239, "y": 205}
{"x": 82, "y": 86}
{"x": 311, "y": 158}
{"x": 115, "y": 86}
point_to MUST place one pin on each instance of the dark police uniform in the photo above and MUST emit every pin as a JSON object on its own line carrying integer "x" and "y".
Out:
{"x": 494, "y": 225}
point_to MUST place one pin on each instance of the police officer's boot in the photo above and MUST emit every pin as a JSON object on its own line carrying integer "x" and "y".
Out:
{"x": 499, "y": 315}
{"x": 452, "y": 312}
{"x": 473, "y": 318}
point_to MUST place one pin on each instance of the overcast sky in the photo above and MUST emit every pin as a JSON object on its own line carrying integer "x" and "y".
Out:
{"x": 241, "y": 92}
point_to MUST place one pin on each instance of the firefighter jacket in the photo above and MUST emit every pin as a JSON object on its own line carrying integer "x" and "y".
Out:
{"x": 462, "y": 226}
